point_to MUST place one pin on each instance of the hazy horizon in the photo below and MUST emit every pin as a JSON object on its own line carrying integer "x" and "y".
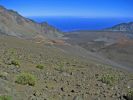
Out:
{"x": 77, "y": 23}
{"x": 79, "y": 8}
{"x": 69, "y": 15}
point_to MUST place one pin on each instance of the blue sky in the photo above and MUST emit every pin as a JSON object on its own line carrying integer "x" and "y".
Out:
{"x": 80, "y": 8}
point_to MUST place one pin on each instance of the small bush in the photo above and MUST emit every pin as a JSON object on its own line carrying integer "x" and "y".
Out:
{"x": 5, "y": 98}
{"x": 108, "y": 79}
{"x": 26, "y": 78}
{"x": 3, "y": 75}
{"x": 130, "y": 94}
{"x": 15, "y": 63}
{"x": 40, "y": 66}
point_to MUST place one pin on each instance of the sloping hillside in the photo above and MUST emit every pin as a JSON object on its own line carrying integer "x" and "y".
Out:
{"x": 116, "y": 46}
{"x": 11, "y": 23}
{"x": 126, "y": 27}
{"x": 120, "y": 52}
{"x": 32, "y": 71}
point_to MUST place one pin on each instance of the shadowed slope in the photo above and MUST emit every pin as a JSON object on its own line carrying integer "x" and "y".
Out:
{"x": 11, "y": 23}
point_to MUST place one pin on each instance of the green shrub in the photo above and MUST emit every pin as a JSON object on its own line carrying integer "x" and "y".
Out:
{"x": 5, "y": 97}
{"x": 15, "y": 63}
{"x": 3, "y": 75}
{"x": 40, "y": 66}
{"x": 26, "y": 78}
{"x": 108, "y": 79}
{"x": 130, "y": 94}
{"x": 60, "y": 67}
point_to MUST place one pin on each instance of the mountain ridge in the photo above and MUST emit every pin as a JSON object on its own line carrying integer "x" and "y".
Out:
{"x": 12, "y": 23}
{"x": 121, "y": 27}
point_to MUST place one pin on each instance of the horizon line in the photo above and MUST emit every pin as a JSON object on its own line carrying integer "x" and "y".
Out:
{"x": 79, "y": 16}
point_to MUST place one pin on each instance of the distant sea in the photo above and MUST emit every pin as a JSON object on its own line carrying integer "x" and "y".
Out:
{"x": 76, "y": 23}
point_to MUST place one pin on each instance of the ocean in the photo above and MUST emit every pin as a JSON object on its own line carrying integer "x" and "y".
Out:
{"x": 66, "y": 24}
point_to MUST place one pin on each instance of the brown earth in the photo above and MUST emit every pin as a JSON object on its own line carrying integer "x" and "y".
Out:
{"x": 64, "y": 77}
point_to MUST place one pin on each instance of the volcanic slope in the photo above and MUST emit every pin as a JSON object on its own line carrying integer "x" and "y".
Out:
{"x": 32, "y": 71}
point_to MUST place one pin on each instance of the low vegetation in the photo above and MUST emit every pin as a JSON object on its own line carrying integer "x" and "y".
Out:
{"x": 45, "y": 72}
{"x": 130, "y": 94}
{"x": 26, "y": 78}
{"x": 108, "y": 79}
{"x": 3, "y": 75}
{"x": 15, "y": 63}
{"x": 60, "y": 67}
{"x": 4, "y": 97}
{"x": 40, "y": 66}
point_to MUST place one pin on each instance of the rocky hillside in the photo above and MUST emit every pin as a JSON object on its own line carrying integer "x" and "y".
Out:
{"x": 11, "y": 23}
{"x": 122, "y": 27}
{"x": 31, "y": 71}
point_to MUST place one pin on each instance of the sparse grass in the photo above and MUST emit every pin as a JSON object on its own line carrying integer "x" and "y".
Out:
{"x": 40, "y": 66}
{"x": 130, "y": 94}
{"x": 26, "y": 78}
{"x": 60, "y": 66}
{"x": 3, "y": 75}
{"x": 68, "y": 67}
{"x": 15, "y": 63}
{"x": 4, "y": 97}
{"x": 12, "y": 51}
{"x": 108, "y": 79}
